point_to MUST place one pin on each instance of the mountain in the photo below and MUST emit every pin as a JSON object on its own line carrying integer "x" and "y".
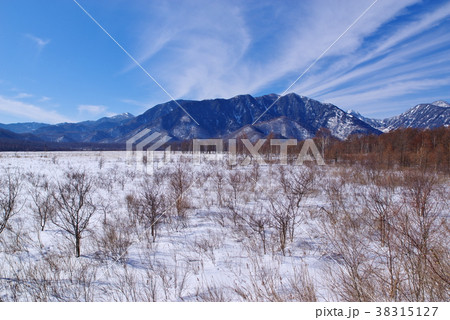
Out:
{"x": 422, "y": 116}
{"x": 441, "y": 103}
{"x": 86, "y": 131}
{"x": 11, "y": 141}
{"x": 375, "y": 123}
{"x": 289, "y": 116}
{"x": 25, "y": 127}
{"x": 10, "y": 135}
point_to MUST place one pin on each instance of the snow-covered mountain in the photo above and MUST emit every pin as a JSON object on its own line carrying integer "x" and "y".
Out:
{"x": 289, "y": 116}
{"x": 10, "y": 135}
{"x": 423, "y": 116}
{"x": 26, "y": 127}
{"x": 441, "y": 103}
{"x": 86, "y": 131}
{"x": 375, "y": 123}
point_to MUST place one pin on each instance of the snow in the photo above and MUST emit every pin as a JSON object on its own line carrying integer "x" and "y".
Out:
{"x": 200, "y": 259}
{"x": 441, "y": 103}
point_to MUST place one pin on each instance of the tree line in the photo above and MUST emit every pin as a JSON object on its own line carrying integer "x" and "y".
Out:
{"x": 405, "y": 148}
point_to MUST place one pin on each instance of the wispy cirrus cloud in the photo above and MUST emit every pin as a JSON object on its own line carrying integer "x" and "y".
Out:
{"x": 94, "y": 110}
{"x": 39, "y": 42}
{"x": 194, "y": 46}
{"x": 15, "y": 108}
{"x": 414, "y": 59}
{"x": 23, "y": 95}
{"x": 219, "y": 49}
{"x": 45, "y": 99}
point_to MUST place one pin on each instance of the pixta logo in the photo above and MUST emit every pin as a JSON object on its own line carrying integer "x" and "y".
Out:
{"x": 142, "y": 148}
{"x": 308, "y": 152}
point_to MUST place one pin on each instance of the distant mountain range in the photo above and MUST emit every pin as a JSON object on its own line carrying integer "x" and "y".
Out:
{"x": 423, "y": 116}
{"x": 289, "y": 116}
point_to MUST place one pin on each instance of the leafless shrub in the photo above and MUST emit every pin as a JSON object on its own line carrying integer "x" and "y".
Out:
{"x": 53, "y": 278}
{"x": 257, "y": 222}
{"x": 148, "y": 205}
{"x": 115, "y": 239}
{"x": 381, "y": 211}
{"x": 173, "y": 279}
{"x": 74, "y": 205}
{"x": 16, "y": 240}
{"x": 285, "y": 216}
{"x": 297, "y": 182}
{"x": 219, "y": 217}
{"x": 125, "y": 287}
{"x": 106, "y": 181}
{"x": 405, "y": 241}
{"x": 266, "y": 282}
{"x": 205, "y": 246}
{"x": 237, "y": 180}
{"x": 212, "y": 293}
{"x": 301, "y": 286}
{"x": 144, "y": 160}
{"x": 101, "y": 162}
{"x": 219, "y": 181}
{"x": 10, "y": 184}
{"x": 255, "y": 172}
{"x": 351, "y": 276}
{"x": 423, "y": 230}
{"x": 43, "y": 204}
{"x": 180, "y": 181}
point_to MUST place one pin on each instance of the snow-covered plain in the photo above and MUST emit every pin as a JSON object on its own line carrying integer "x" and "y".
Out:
{"x": 221, "y": 239}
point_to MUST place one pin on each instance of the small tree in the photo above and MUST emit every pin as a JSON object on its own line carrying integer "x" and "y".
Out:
{"x": 297, "y": 183}
{"x": 74, "y": 206}
{"x": 9, "y": 192}
{"x": 282, "y": 211}
{"x": 258, "y": 222}
{"x": 43, "y": 204}
{"x": 148, "y": 205}
{"x": 180, "y": 180}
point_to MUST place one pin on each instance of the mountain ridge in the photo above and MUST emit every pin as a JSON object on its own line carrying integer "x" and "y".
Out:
{"x": 288, "y": 116}
{"x": 422, "y": 116}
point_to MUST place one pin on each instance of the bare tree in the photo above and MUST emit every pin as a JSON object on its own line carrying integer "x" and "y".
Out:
{"x": 148, "y": 205}
{"x": 10, "y": 185}
{"x": 219, "y": 180}
{"x": 180, "y": 180}
{"x": 297, "y": 182}
{"x": 74, "y": 205}
{"x": 423, "y": 231}
{"x": 236, "y": 179}
{"x": 283, "y": 212}
{"x": 345, "y": 236}
{"x": 258, "y": 221}
{"x": 43, "y": 203}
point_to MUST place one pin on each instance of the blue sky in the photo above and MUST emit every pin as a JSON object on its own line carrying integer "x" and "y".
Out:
{"x": 56, "y": 65}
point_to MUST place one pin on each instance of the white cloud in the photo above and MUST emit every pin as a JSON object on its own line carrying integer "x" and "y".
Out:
{"x": 45, "y": 99}
{"x": 136, "y": 103}
{"x": 217, "y": 50}
{"x": 40, "y": 43}
{"x": 29, "y": 111}
{"x": 412, "y": 59}
{"x": 92, "y": 109}
{"x": 200, "y": 42}
{"x": 23, "y": 95}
